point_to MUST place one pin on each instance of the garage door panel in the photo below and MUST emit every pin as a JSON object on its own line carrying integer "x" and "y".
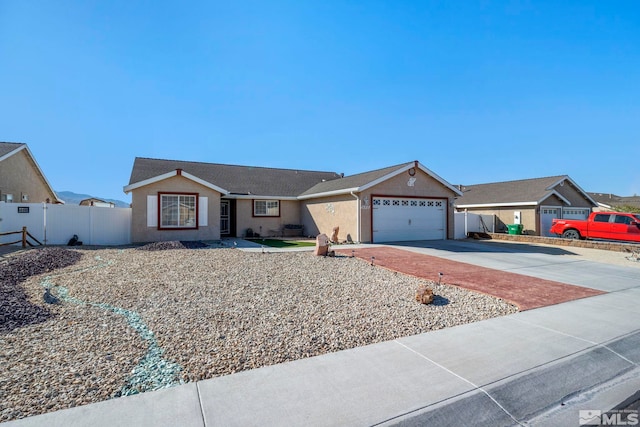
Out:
{"x": 403, "y": 219}
{"x": 547, "y": 214}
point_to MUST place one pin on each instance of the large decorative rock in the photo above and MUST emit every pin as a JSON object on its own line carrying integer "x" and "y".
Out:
{"x": 334, "y": 235}
{"x": 322, "y": 245}
{"x": 424, "y": 295}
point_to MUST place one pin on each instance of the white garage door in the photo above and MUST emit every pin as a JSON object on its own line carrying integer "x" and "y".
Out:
{"x": 397, "y": 219}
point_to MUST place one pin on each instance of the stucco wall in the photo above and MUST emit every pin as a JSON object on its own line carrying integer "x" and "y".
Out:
{"x": 322, "y": 215}
{"x": 265, "y": 226}
{"x": 19, "y": 175}
{"x": 140, "y": 232}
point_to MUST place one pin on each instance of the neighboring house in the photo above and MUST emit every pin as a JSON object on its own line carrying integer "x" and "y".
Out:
{"x": 530, "y": 202}
{"x": 610, "y": 202}
{"x": 97, "y": 202}
{"x": 21, "y": 179}
{"x": 180, "y": 200}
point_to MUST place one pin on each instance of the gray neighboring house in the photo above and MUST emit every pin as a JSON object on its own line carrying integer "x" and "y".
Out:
{"x": 530, "y": 202}
{"x": 610, "y": 202}
{"x": 184, "y": 200}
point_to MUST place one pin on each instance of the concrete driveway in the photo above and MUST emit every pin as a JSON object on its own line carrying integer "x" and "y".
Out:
{"x": 593, "y": 268}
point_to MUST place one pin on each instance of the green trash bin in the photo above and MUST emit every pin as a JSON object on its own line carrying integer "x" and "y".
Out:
{"x": 514, "y": 228}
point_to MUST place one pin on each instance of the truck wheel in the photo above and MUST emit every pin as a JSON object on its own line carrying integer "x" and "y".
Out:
{"x": 571, "y": 234}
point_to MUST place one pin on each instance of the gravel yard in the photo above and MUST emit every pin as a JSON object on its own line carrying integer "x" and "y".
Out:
{"x": 132, "y": 320}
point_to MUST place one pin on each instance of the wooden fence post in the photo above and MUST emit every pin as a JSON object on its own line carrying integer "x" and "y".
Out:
{"x": 24, "y": 237}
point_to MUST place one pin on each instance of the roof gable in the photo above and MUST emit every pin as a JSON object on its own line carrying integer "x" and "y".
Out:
{"x": 363, "y": 181}
{"x": 8, "y": 149}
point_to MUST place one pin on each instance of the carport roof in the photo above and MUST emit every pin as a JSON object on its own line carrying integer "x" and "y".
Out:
{"x": 512, "y": 193}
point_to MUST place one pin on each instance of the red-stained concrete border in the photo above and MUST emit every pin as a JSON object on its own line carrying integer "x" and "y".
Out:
{"x": 524, "y": 291}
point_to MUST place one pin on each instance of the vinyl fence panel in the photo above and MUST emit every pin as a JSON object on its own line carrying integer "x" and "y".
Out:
{"x": 467, "y": 222}
{"x": 56, "y": 224}
{"x": 11, "y": 219}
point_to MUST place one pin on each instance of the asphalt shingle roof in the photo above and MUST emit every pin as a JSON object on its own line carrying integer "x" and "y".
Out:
{"x": 614, "y": 200}
{"x": 7, "y": 147}
{"x": 520, "y": 191}
{"x": 258, "y": 181}
{"x": 352, "y": 181}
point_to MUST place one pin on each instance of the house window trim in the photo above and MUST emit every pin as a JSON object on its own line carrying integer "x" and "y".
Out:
{"x": 177, "y": 193}
{"x": 253, "y": 208}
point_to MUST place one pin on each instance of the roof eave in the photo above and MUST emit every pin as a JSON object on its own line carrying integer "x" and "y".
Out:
{"x": 492, "y": 205}
{"x": 257, "y": 196}
{"x": 438, "y": 178}
{"x": 330, "y": 193}
{"x": 558, "y": 195}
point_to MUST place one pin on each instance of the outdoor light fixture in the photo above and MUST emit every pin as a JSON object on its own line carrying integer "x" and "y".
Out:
{"x": 353, "y": 253}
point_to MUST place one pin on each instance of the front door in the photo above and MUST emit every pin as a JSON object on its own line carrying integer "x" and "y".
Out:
{"x": 225, "y": 217}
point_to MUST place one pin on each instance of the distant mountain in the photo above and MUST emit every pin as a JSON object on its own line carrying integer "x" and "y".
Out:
{"x": 71, "y": 198}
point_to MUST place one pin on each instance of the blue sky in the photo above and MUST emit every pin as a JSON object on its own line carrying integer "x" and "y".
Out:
{"x": 478, "y": 91}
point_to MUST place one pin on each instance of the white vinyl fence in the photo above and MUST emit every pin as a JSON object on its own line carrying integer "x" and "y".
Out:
{"x": 467, "y": 222}
{"x": 56, "y": 224}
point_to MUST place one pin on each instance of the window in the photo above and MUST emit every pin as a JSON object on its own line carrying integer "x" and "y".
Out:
{"x": 601, "y": 218}
{"x": 266, "y": 208}
{"x": 623, "y": 219}
{"x": 178, "y": 211}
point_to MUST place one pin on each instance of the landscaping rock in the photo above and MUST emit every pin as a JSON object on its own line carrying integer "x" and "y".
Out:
{"x": 424, "y": 295}
{"x": 322, "y": 245}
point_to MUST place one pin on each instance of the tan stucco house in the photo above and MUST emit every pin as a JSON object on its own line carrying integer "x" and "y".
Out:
{"x": 182, "y": 200}
{"x": 533, "y": 203}
{"x": 21, "y": 179}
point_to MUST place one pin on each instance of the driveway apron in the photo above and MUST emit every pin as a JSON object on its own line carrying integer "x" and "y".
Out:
{"x": 524, "y": 291}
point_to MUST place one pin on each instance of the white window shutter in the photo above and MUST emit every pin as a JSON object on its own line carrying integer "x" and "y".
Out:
{"x": 152, "y": 211}
{"x": 203, "y": 211}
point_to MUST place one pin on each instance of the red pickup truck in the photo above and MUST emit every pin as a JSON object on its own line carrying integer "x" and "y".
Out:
{"x": 600, "y": 225}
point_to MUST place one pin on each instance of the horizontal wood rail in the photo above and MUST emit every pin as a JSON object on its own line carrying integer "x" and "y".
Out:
{"x": 25, "y": 238}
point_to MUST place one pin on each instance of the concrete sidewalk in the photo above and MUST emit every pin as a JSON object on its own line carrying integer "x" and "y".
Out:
{"x": 538, "y": 367}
